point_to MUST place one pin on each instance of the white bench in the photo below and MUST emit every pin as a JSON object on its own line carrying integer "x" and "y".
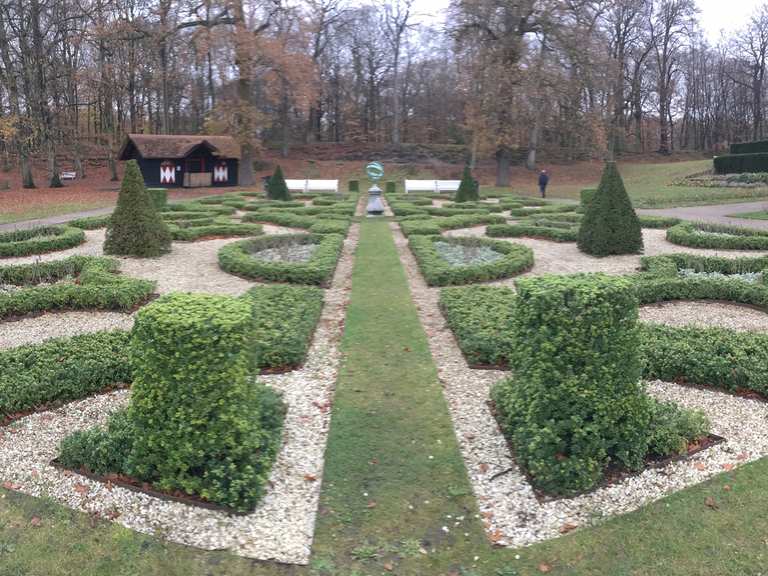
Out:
{"x": 67, "y": 175}
{"x": 312, "y": 185}
{"x": 431, "y": 186}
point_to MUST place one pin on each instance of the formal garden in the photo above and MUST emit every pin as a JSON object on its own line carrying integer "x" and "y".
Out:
{"x": 470, "y": 384}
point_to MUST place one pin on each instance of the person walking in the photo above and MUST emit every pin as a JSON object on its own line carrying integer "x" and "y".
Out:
{"x": 543, "y": 181}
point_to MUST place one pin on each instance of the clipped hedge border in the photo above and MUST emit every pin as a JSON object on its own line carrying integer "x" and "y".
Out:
{"x": 438, "y": 272}
{"x": 284, "y": 319}
{"x": 320, "y": 224}
{"x": 694, "y": 235}
{"x": 90, "y": 222}
{"x": 658, "y": 221}
{"x": 98, "y": 287}
{"x": 60, "y": 370}
{"x": 546, "y": 209}
{"x": 218, "y": 229}
{"x": 39, "y": 240}
{"x": 237, "y": 258}
{"x": 432, "y": 226}
{"x": 569, "y": 234}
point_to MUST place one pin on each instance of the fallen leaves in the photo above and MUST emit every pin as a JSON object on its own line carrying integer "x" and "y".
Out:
{"x": 568, "y": 527}
{"x": 544, "y": 568}
{"x": 700, "y": 466}
{"x": 81, "y": 489}
{"x": 727, "y": 467}
{"x": 710, "y": 503}
{"x": 11, "y": 486}
{"x": 35, "y": 521}
{"x": 310, "y": 478}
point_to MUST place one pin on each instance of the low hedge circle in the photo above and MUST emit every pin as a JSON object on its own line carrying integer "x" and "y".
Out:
{"x": 717, "y": 236}
{"x": 39, "y": 240}
{"x": 437, "y": 271}
{"x": 237, "y": 258}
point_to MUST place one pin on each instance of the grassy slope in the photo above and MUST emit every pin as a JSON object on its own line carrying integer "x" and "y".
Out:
{"x": 761, "y": 215}
{"x": 389, "y": 417}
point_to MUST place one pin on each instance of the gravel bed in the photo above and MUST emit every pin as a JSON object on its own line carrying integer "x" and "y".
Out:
{"x": 33, "y": 330}
{"x": 706, "y": 314}
{"x": 287, "y": 253}
{"x": 282, "y": 526}
{"x": 511, "y": 513}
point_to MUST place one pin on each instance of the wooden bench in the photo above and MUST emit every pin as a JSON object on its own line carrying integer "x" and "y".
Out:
{"x": 67, "y": 175}
{"x": 437, "y": 186}
{"x": 306, "y": 186}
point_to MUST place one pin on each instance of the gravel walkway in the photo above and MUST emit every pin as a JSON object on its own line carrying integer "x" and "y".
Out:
{"x": 512, "y": 514}
{"x": 282, "y": 527}
{"x": 706, "y": 314}
{"x": 60, "y": 324}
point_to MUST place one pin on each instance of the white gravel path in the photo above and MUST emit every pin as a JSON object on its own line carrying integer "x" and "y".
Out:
{"x": 282, "y": 526}
{"x": 511, "y": 513}
{"x": 706, "y": 314}
{"x": 60, "y": 324}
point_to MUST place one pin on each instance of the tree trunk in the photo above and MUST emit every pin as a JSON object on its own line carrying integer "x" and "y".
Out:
{"x": 27, "y": 180}
{"x": 503, "y": 161}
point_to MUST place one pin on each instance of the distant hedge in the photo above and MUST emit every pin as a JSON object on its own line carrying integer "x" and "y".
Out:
{"x": 749, "y": 147}
{"x": 737, "y": 163}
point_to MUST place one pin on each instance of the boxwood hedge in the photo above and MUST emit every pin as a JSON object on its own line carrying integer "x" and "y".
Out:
{"x": 569, "y": 233}
{"x": 718, "y": 236}
{"x": 90, "y": 222}
{"x": 237, "y": 258}
{"x": 284, "y": 319}
{"x": 204, "y": 229}
{"x": 439, "y": 272}
{"x": 39, "y": 240}
{"x": 77, "y": 282}
{"x": 430, "y": 226}
{"x": 61, "y": 370}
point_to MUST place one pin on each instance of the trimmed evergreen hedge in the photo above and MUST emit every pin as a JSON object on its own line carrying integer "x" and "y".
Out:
{"x": 39, "y": 240}
{"x": 284, "y": 319}
{"x": 60, "y": 370}
{"x": 136, "y": 227}
{"x": 610, "y": 225}
{"x": 439, "y": 272}
{"x": 469, "y": 190}
{"x": 99, "y": 286}
{"x": 276, "y": 186}
{"x": 90, "y": 222}
{"x": 718, "y": 236}
{"x": 549, "y": 209}
{"x": 353, "y": 186}
{"x": 749, "y": 147}
{"x": 196, "y": 422}
{"x": 431, "y": 226}
{"x": 658, "y": 221}
{"x": 737, "y": 163}
{"x": 159, "y": 198}
{"x": 237, "y": 258}
{"x": 568, "y": 233}
{"x": 219, "y": 229}
{"x": 575, "y": 404}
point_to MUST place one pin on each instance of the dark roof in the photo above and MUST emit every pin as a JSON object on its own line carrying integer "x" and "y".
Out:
{"x": 179, "y": 145}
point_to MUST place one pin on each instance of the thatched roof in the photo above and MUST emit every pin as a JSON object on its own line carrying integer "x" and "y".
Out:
{"x": 178, "y": 145}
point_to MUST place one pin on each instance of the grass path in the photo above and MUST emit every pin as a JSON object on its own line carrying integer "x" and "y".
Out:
{"x": 395, "y": 487}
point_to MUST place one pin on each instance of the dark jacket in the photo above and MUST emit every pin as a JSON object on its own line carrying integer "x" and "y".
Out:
{"x": 543, "y": 179}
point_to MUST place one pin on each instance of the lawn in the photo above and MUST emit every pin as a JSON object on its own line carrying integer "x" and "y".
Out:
{"x": 760, "y": 215}
{"x": 395, "y": 495}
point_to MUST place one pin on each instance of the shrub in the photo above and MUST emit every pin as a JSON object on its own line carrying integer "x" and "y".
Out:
{"x": 658, "y": 221}
{"x": 136, "y": 228}
{"x": 533, "y": 230}
{"x": 90, "y": 222}
{"x": 718, "y": 236}
{"x": 330, "y": 227}
{"x": 726, "y": 359}
{"x": 276, "y": 187}
{"x": 610, "y": 225}
{"x": 159, "y": 198}
{"x": 61, "y": 370}
{"x": 481, "y": 319}
{"x": 98, "y": 286}
{"x": 438, "y": 271}
{"x": 468, "y": 189}
{"x": 353, "y": 186}
{"x": 436, "y": 225}
{"x": 575, "y": 403}
{"x": 237, "y": 258}
{"x": 672, "y": 428}
{"x": 100, "y": 451}
{"x": 284, "y": 322}
{"x": 749, "y": 147}
{"x": 39, "y": 240}
{"x": 550, "y": 209}
{"x": 215, "y": 229}
{"x": 390, "y": 187}
{"x": 586, "y": 196}
{"x": 735, "y": 163}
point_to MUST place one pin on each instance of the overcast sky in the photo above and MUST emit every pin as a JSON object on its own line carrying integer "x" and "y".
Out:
{"x": 714, "y": 15}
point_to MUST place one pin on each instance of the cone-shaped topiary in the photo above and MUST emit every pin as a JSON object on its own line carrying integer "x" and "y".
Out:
{"x": 135, "y": 228}
{"x": 467, "y": 191}
{"x": 276, "y": 188}
{"x": 610, "y": 225}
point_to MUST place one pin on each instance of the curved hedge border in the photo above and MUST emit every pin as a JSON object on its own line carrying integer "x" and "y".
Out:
{"x": 531, "y": 230}
{"x": 546, "y": 209}
{"x": 320, "y": 224}
{"x": 657, "y": 221}
{"x": 60, "y": 370}
{"x": 98, "y": 287}
{"x": 432, "y": 226}
{"x": 205, "y": 229}
{"x": 237, "y": 258}
{"x": 438, "y": 272}
{"x": 39, "y": 240}
{"x": 694, "y": 235}
{"x": 90, "y": 222}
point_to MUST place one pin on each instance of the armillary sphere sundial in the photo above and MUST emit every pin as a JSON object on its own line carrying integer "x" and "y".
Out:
{"x": 375, "y": 172}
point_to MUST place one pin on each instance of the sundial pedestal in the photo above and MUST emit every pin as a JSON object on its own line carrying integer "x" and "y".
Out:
{"x": 375, "y": 205}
